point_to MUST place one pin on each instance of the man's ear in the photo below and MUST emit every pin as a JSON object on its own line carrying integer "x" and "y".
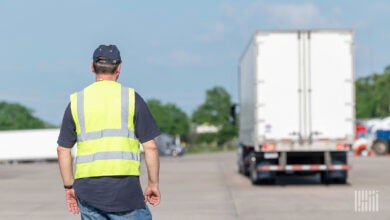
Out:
{"x": 118, "y": 69}
{"x": 92, "y": 68}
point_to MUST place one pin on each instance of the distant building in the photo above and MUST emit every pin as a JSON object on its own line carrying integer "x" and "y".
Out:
{"x": 206, "y": 128}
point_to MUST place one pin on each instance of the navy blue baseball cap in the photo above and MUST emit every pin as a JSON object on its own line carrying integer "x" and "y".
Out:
{"x": 107, "y": 54}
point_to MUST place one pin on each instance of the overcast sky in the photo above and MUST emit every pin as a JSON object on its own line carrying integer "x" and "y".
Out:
{"x": 171, "y": 50}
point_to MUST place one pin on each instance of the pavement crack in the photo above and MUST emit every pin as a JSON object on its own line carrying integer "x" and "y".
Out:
{"x": 230, "y": 193}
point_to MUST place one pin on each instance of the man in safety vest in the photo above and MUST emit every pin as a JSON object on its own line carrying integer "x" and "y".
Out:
{"x": 108, "y": 121}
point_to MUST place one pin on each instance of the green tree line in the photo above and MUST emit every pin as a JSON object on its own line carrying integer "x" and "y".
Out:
{"x": 373, "y": 95}
{"x": 14, "y": 116}
{"x": 372, "y": 101}
{"x": 215, "y": 111}
{"x": 169, "y": 118}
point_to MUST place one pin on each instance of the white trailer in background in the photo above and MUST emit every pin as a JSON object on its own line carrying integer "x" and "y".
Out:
{"x": 296, "y": 98}
{"x": 37, "y": 144}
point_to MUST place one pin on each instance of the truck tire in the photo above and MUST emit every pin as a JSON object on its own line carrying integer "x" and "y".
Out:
{"x": 380, "y": 147}
{"x": 255, "y": 177}
{"x": 336, "y": 176}
{"x": 244, "y": 170}
{"x": 254, "y": 173}
{"x": 325, "y": 178}
{"x": 341, "y": 180}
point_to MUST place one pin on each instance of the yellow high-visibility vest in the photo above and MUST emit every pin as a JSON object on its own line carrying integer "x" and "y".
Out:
{"x": 106, "y": 144}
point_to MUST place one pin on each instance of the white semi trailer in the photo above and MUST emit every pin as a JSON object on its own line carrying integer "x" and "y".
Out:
{"x": 37, "y": 144}
{"x": 296, "y": 99}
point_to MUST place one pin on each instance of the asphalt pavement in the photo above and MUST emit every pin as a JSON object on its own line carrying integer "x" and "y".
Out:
{"x": 208, "y": 186}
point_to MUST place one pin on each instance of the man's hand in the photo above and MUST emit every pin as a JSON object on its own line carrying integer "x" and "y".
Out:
{"x": 71, "y": 201}
{"x": 152, "y": 195}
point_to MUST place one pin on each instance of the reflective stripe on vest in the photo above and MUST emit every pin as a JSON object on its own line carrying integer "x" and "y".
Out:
{"x": 108, "y": 155}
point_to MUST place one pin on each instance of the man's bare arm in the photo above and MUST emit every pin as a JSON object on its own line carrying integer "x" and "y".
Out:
{"x": 152, "y": 192}
{"x": 65, "y": 163}
{"x": 66, "y": 169}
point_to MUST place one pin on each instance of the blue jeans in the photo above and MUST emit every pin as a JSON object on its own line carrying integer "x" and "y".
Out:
{"x": 88, "y": 212}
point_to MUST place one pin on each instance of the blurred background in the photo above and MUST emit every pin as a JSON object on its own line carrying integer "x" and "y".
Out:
{"x": 178, "y": 55}
{"x": 182, "y": 57}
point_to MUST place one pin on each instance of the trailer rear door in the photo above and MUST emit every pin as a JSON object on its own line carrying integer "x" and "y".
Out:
{"x": 277, "y": 85}
{"x": 330, "y": 85}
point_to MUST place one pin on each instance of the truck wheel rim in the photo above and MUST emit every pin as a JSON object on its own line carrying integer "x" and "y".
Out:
{"x": 381, "y": 148}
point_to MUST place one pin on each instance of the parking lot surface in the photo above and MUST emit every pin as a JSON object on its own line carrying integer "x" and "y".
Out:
{"x": 208, "y": 186}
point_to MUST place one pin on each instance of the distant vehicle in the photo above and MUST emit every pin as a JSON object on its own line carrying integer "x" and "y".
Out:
{"x": 376, "y": 139}
{"x": 360, "y": 130}
{"x": 382, "y": 142}
{"x": 167, "y": 146}
{"x": 360, "y": 144}
{"x": 381, "y": 137}
{"x": 296, "y": 100}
